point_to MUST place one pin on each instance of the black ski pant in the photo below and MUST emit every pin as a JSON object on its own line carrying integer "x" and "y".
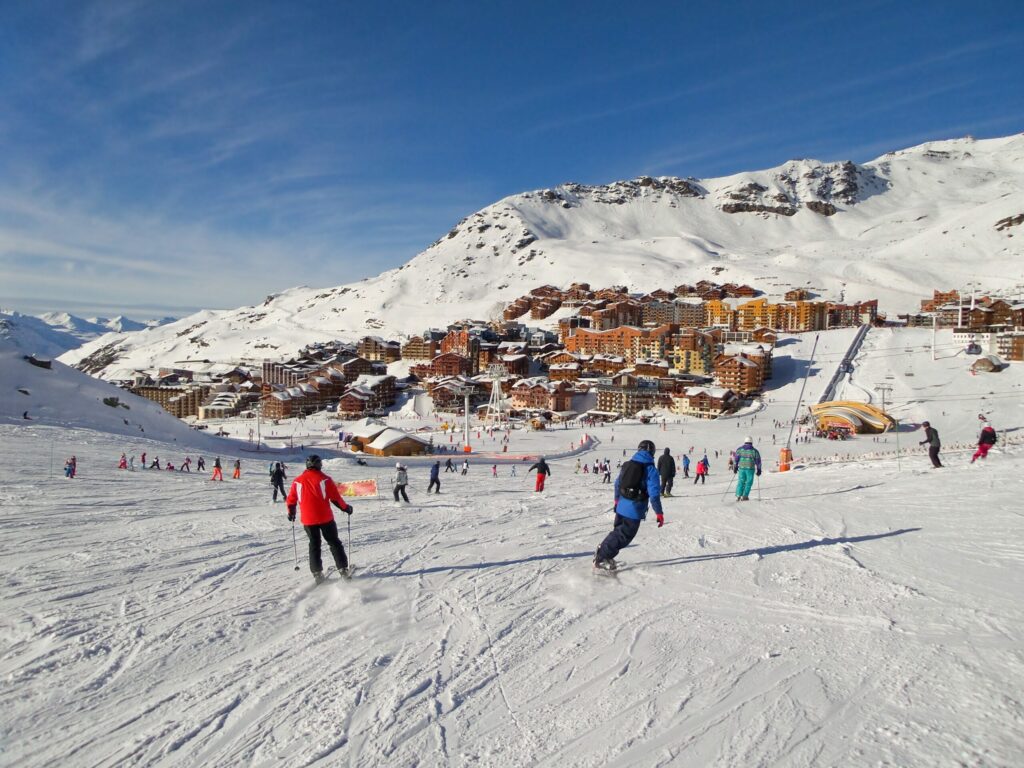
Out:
{"x": 279, "y": 486}
{"x": 625, "y": 531}
{"x": 434, "y": 482}
{"x": 401, "y": 489}
{"x": 329, "y": 532}
{"x": 699, "y": 477}
{"x": 666, "y": 485}
{"x": 933, "y": 454}
{"x": 686, "y": 472}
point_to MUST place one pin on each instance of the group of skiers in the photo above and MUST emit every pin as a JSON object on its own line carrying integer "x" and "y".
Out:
{"x": 986, "y": 439}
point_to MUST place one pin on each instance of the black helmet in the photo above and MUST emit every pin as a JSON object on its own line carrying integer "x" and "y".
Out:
{"x": 313, "y": 462}
{"x": 646, "y": 445}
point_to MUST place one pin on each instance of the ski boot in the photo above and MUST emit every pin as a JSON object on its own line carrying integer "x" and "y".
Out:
{"x": 318, "y": 577}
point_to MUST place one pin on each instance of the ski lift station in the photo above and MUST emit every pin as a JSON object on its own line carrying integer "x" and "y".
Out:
{"x": 861, "y": 418}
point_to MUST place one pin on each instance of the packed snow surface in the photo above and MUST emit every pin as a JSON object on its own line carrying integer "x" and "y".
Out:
{"x": 862, "y": 611}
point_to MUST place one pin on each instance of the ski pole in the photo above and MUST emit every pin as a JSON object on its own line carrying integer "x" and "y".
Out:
{"x": 349, "y": 521}
{"x": 295, "y": 547}
{"x": 728, "y": 487}
{"x": 759, "y": 488}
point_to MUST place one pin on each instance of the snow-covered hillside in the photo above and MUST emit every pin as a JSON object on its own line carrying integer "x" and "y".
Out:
{"x": 65, "y": 397}
{"x": 932, "y": 216}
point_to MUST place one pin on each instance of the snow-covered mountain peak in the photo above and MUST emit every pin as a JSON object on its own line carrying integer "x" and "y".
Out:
{"x": 893, "y": 229}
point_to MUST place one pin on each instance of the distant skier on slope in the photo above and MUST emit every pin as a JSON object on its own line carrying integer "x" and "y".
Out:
{"x": 637, "y": 484}
{"x": 218, "y": 473}
{"x": 401, "y": 480}
{"x": 746, "y": 462}
{"x": 686, "y": 466}
{"x": 543, "y": 470}
{"x": 931, "y": 437}
{"x": 435, "y": 478}
{"x": 666, "y": 471}
{"x": 277, "y": 478}
{"x": 314, "y": 493}
{"x": 986, "y": 440}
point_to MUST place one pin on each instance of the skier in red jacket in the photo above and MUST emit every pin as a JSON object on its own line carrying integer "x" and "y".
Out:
{"x": 985, "y": 442}
{"x": 314, "y": 492}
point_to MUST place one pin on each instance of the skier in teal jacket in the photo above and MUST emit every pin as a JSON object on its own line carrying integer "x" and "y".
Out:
{"x": 748, "y": 463}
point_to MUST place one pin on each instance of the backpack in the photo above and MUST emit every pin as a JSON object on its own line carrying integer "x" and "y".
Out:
{"x": 633, "y": 481}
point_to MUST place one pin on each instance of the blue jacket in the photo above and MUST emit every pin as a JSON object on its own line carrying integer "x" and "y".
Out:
{"x": 637, "y": 510}
{"x": 435, "y": 470}
{"x": 686, "y": 461}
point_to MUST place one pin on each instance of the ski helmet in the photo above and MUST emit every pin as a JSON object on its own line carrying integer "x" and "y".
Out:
{"x": 646, "y": 445}
{"x": 313, "y": 462}
{"x": 748, "y": 439}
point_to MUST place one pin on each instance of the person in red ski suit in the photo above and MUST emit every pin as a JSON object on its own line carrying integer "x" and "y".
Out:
{"x": 985, "y": 441}
{"x": 313, "y": 493}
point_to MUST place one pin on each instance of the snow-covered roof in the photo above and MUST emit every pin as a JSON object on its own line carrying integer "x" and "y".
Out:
{"x": 391, "y": 436}
{"x": 366, "y": 428}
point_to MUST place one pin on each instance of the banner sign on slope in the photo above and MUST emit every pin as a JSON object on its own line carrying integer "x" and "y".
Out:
{"x": 356, "y": 488}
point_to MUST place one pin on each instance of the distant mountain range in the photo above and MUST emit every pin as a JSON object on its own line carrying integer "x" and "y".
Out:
{"x": 54, "y": 333}
{"x": 936, "y": 215}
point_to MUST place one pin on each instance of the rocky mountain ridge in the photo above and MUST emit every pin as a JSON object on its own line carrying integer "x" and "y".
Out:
{"x": 892, "y": 229}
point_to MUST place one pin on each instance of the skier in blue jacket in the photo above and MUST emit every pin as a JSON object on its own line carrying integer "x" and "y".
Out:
{"x": 631, "y": 504}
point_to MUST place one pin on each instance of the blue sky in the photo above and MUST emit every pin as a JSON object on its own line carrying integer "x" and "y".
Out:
{"x": 157, "y": 157}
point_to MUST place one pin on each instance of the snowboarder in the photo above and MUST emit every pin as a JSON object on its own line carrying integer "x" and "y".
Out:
{"x": 746, "y": 462}
{"x": 543, "y": 470}
{"x": 237, "y": 474}
{"x": 686, "y": 466}
{"x": 401, "y": 480}
{"x": 201, "y": 465}
{"x": 314, "y": 492}
{"x": 218, "y": 474}
{"x": 637, "y": 484}
{"x": 277, "y": 478}
{"x": 985, "y": 441}
{"x": 666, "y": 471}
{"x": 435, "y": 477}
{"x": 931, "y": 437}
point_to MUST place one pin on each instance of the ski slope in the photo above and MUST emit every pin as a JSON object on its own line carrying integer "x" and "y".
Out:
{"x": 861, "y": 610}
{"x": 852, "y": 614}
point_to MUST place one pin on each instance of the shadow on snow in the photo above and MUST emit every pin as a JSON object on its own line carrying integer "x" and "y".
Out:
{"x": 761, "y": 551}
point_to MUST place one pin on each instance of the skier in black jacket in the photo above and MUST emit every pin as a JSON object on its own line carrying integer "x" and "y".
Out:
{"x": 666, "y": 471}
{"x": 277, "y": 478}
{"x": 543, "y": 470}
{"x": 931, "y": 436}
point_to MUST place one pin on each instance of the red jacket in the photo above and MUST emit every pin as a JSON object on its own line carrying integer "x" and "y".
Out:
{"x": 314, "y": 491}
